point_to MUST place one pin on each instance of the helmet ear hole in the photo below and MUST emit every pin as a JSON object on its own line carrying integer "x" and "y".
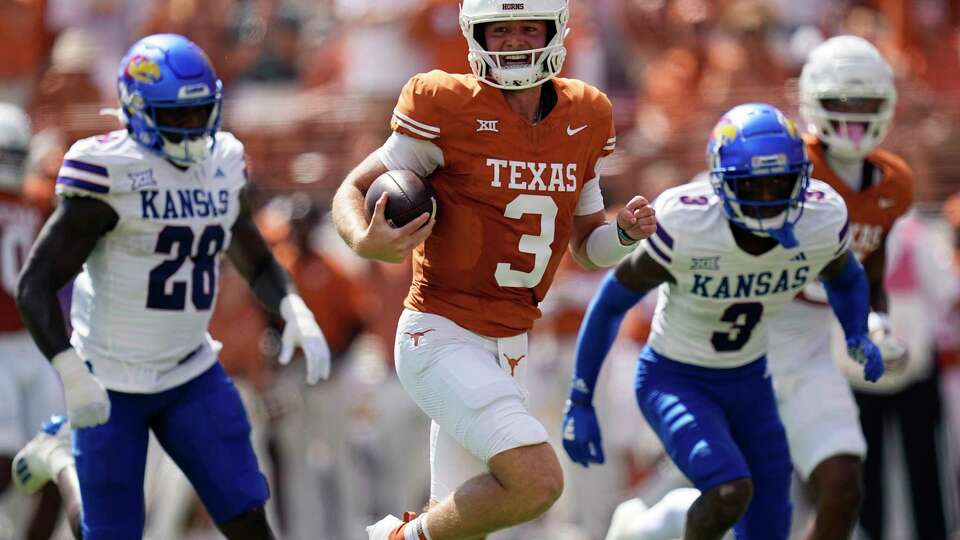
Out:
{"x": 551, "y": 30}
{"x": 480, "y": 35}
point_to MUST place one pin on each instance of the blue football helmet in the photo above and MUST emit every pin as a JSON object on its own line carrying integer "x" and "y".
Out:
{"x": 168, "y": 76}
{"x": 759, "y": 168}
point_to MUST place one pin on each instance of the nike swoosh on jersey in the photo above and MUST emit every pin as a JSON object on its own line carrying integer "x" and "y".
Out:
{"x": 571, "y": 131}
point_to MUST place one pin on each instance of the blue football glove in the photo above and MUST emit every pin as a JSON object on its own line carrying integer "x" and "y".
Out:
{"x": 866, "y": 353}
{"x": 581, "y": 434}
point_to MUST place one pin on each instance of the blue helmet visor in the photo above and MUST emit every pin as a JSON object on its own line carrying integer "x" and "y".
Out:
{"x": 176, "y": 122}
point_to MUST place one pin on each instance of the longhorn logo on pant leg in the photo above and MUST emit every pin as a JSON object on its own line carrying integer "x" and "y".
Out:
{"x": 415, "y": 336}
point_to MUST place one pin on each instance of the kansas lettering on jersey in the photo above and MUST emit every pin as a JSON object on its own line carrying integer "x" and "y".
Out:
{"x": 507, "y": 194}
{"x": 142, "y": 303}
{"x": 716, "y": 313}
{"x": 20, "y": 222}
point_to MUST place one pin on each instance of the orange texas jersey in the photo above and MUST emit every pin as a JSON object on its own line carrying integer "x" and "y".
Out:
{"x": 873, "y": 210}
{"x": 20, "y": 222}
{"x": 507, "y": 192}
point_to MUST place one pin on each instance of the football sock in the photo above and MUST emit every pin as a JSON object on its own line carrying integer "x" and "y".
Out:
{"x": 417, "y": 529}
{"x": 59, "y": 459}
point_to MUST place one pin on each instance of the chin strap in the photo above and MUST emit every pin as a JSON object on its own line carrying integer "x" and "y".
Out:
{"x": 785, "y": 236}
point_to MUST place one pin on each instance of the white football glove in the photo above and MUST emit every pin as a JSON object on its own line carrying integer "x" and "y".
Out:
{"x": 301, "y": 330}
{"x": 88, "y": 404}
{"x": 893, "y": 350}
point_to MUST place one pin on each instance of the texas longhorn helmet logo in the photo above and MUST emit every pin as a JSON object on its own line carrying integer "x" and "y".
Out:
{"x": 140, "y": 68}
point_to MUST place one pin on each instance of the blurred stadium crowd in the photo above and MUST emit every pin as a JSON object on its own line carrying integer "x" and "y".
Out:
{"x": 309, "y": 87}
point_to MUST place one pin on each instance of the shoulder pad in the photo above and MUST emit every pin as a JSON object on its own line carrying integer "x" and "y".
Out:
{"x": 89, "y": 166}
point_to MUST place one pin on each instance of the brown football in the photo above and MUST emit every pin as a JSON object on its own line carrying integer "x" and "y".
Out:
{"x": 408, "y": 197}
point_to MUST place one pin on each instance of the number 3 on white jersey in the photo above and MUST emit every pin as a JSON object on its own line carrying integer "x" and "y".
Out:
{"x": 538, "y": 246}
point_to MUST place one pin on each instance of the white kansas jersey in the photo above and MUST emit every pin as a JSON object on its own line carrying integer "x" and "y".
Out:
{"x": 716, "y": 313}
{"x": 146, "y": 293}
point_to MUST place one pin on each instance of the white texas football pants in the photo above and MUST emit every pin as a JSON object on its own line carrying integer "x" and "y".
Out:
{"x": 471, "y": 388}
{"x": 814, "y": 398}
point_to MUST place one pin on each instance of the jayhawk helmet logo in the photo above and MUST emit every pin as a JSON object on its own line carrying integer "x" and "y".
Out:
{"x": 140, "y": 68}
{"x": 724, "y": 131}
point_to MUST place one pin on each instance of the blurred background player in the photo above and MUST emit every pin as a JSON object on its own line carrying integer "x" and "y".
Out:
{"x": 145, "y": 214}
{"x": 29, "y": 390}
{"x": 847, "y": 99}
{"x": 514, "y": 155}
{"x": 726, "y": 257}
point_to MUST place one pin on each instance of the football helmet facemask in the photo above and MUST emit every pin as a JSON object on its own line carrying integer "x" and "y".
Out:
{"x": 170, "y": 97}
{"x": 759, "y": 168}
{"x": 848, "y": 75}
{"x": 491, "y": 67}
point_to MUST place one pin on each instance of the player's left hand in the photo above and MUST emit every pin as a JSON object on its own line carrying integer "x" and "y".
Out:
{"x": 637, "y": 219}
{"x": 301, "y": 330}
{"x": 861, "y": 349}
{"x": 581, "y": 434}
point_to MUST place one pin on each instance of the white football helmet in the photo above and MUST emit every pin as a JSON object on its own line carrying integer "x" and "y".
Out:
{"x": 489, "y": 67}
{"x": 14, "y": 144}
{"x": 847, "y": 67}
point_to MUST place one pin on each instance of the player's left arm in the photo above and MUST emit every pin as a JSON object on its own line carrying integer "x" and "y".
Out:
{"x": 596, "y": 243}
{"x": 274, "y": 289}
{"x": 848, "y": 292}
{"x": 620, "y": 291}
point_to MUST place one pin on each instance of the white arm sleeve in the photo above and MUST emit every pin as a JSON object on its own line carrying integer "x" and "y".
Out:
{"x": 604, "y": 248}
{"x": 591, "y": 200}
{"x": 407, "y": 153}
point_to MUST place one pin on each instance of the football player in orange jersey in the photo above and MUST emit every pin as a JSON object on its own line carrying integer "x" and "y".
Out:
{"x": 29, "y": 389}
{"x": 847, "y": 99}
{"x": 513, "y": 153}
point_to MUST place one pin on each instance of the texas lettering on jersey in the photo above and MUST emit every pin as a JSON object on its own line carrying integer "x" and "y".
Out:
{"x": 507, "y": 194}
{"x": 873, "y": 210}
{"x": 529, "y": 176}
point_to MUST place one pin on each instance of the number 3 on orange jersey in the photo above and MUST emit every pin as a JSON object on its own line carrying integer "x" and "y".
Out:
{"x": 538, "y": 246}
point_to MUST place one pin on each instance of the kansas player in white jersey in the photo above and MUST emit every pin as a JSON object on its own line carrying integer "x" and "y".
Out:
{"x": 145, "y": 216}
{"x": 727, "y": 257}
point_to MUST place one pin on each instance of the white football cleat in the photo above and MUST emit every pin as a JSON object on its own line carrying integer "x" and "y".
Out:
{"x": 33, "y": 466}
{"x": 623, "y": 516}
{"x": 390, "y": 527}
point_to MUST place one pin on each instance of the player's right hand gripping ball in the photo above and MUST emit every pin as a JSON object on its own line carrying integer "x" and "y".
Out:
{"x": 408, "y": 197}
